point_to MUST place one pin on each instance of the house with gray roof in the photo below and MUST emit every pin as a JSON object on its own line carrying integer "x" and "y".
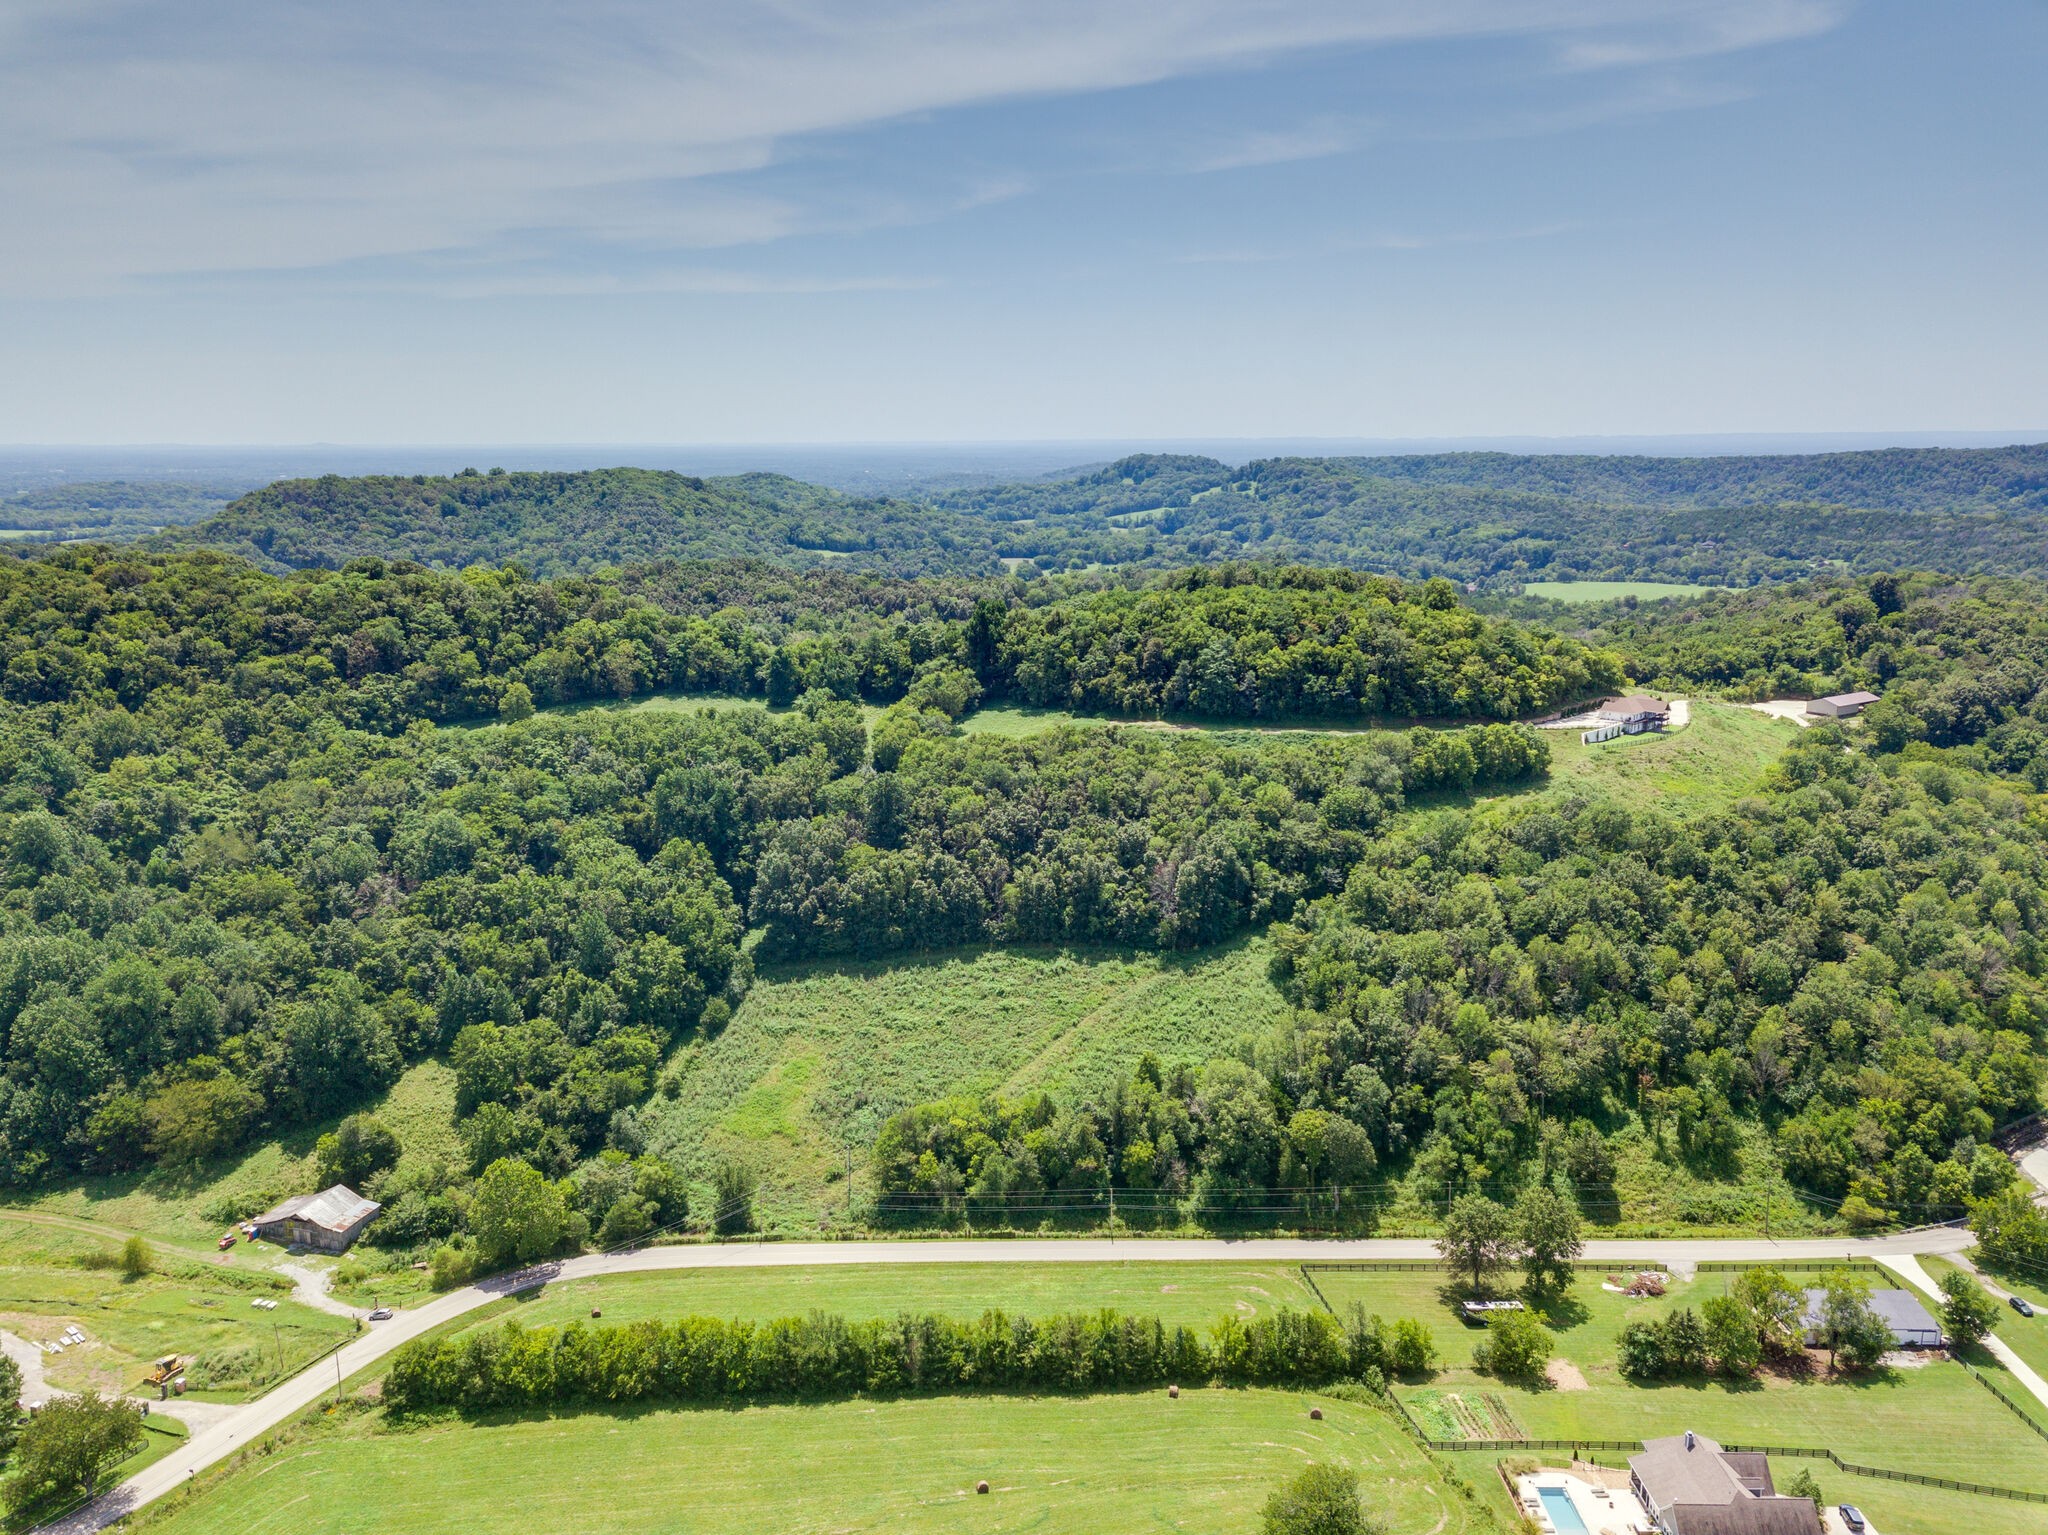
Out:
{"x": 1689, "y": 1485}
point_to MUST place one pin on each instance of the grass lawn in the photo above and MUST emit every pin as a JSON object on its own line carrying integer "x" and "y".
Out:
{"x": 820, "y": 1055}
{"x": 1609, "y": 591}
{"x": 188, "y": 1307}
{"x": 1713, "y": 762}
{"x": 1194, "y": 1294}
{"x": 1929, "y": 1418}
{"x": 1900, "y": 1508}
{"x": 1206, "y": 1462}
{"x": 2027, "y": 1335}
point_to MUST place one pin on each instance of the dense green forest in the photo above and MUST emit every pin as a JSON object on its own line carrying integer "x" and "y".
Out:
{"x": 1852, "y": 958}
{"x": 553, "y": 524}
{"x": 1489, "y": 520}
{"x": 267, "y": 838}
{"x": 247, "y": 879}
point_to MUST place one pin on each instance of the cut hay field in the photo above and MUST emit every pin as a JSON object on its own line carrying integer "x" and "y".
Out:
{"x": 818, "y": 1056}
{"x": 1204, "y": 1463}
{"x": 1187, "y": 1294}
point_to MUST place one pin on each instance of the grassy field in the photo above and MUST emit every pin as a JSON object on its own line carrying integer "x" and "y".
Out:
{"x": 819, "y": 1056}
{"x": 52, "y": 1277}
{"x": 1710, "y": 764}
{"x": 1107, "y": 1463}
{"x": 2027, "y": 1335}
{"x": 189, "y": 1210}
{"x": 1609, "y": 591}
{"x": 1190, "y": 1294}
{"x": 1930, "y": 1418}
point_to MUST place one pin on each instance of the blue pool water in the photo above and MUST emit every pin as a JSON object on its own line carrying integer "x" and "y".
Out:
{"x": 1563, "y": 1516}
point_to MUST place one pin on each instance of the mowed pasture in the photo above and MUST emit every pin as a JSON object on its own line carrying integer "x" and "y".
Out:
{"x": 1926, "y": 1417}
{"x": 818, "y": 1056}
{"x": 1184, "y": 1294}
{"x": 1203, "y": 1463}
{"x": 54, "y": 1277}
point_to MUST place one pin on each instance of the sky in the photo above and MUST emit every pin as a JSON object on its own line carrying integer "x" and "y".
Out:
{"x": 777, "y": 221}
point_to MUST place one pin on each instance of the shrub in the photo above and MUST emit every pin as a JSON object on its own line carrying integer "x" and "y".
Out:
{"x": 137, "y": 1257}
{"x": 732, "y": 1199}
{"x": 1516, "y": 1346}
{"x": 1321, "y": 1500}
{"x": 1639, "y": 1350}
{"x": 1411, "y": 1350}
{"x": 451, "y": 1267}
{"x": 1803, "y": 1485}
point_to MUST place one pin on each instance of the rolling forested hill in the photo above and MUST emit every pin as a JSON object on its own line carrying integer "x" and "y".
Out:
{"x": 1487, "y": 520}
{"x": 555, "y": 523}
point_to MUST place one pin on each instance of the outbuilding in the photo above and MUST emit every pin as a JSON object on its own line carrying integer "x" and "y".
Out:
{"x": 1909, "y": 1321}
{"x": 1840, "y": 706}
{"x": 328, "y": 1222}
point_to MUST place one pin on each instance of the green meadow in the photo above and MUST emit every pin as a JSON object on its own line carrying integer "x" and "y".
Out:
{"x": 818, "y": 1056}
{"x": 1203, "y": 1463}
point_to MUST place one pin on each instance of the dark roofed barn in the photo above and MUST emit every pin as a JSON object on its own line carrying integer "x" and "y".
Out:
{"x": 327, "y": 1222}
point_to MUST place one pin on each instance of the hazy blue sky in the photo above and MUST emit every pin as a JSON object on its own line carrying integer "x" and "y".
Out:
{"x": 615, "y": 221}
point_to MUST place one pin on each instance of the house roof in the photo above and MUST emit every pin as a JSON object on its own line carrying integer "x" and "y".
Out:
{"x": 1706, "y": 1490}
{"x": 1899, "y": 1311}
{"x": 1635, "y": 703}
{"x": 1675, "y": 1471}
{"x": 334, "y": 1209}
{"x": 1850, "y": 698}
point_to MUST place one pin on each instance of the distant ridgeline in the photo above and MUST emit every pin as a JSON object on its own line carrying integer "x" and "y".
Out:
{"x": 1489, "y": 519}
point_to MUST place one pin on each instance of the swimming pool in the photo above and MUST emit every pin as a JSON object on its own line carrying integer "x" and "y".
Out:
{"x": 1564, "y": 1514}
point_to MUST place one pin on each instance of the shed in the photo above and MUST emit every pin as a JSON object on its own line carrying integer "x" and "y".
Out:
{"x": 1909, "y": 1321}
{"x": 1840, "y": 706}
{"x": 327, "y": 1222}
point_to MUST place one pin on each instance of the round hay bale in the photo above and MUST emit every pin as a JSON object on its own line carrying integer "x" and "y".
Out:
{"x": 1174, "y": 1392}
{"x": 981, "y": 1486}
{"x": 595, "y": 1313}
{"x": 1316, "y": 1413}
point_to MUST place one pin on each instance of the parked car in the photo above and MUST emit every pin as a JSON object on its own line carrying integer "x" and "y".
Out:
{"x": 381, "y": 1314}
{"x": 226, "y": 1242}
{"x": 2019, "y": 1304}
{"x": 1852, "y": 1516}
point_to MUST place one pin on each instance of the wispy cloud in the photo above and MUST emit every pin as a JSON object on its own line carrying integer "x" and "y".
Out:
{"x": 148, "y": 138}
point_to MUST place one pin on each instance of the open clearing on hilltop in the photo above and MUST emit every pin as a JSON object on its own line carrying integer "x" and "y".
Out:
{"x": 1206, "y": 1462}
{"x": 1610, "y": 591}
{"x": 818, "y": 1056}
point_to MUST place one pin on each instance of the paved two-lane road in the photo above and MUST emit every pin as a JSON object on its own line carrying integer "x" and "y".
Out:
{"x": 251, "y": 1422}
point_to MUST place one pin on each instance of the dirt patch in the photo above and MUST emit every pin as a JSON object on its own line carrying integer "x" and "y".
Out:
{"x": 1565, "y": 1375}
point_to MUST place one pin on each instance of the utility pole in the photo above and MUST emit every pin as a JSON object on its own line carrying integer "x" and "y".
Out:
{"x": 278, "y": 1338}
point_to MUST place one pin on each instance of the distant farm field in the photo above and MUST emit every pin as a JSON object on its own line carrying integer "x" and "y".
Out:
{"x": 1609, "y": 591}
{"x": 818, "y": 1056}
{"x": 1204, "y": 1463}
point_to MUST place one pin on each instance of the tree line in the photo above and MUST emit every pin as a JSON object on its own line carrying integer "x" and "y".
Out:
{"x": 704, "y": 1359}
